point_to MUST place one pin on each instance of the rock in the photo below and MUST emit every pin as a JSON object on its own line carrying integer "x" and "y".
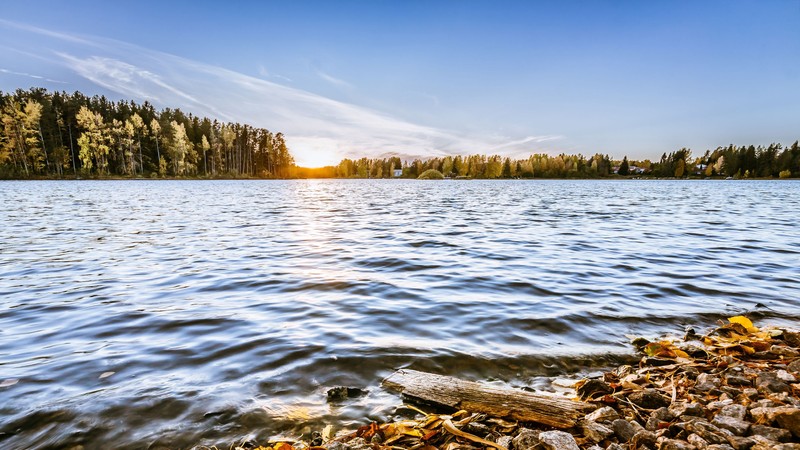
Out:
{"x": 741, "y": 443}
{"x": 794, "y": 366}
{"x": 625, "y": 430}
{"x": 595, "y": 447}
{"x": 605, "y": 414}
{"x": 354, "y": 444}
{"x": 737, "y": 380}
{"x": 751, "y": 393}
{"x": 735, "y": 411}
{"x": 789, "y": 418}
{"x": 658, "y": 417}
{"x": 763, "y": 414}
{"x": 706, "y": 382}
{"x": 786, "y": 447}
{"x": 707, "y": 431}
{"x": 674, "y": 444}
{"x": 697, "y": 441}
{"x": 783, "y": 351}
{"x": 341, "y": 393}
{"x": 649, "y": 399}
{"x": 594, "y": 388}
{"x": 615, "y": 447}
{"x": 558, "y": 440}
{"x": 790, "y": 446}
{"x": 505, "y": 441}
{"x": 719, "y": 447}
{"x": 525, "y": 439}
{"x": 643, "y": 437}
{"x": 719, "y": 404}
{"x": 792, "y": 338}
{"x": 773, "y": 434}
{"x": 680, "y": 409}
{"x": 768, "y": 382}
{"x": 596, "y": 432}
{"x": 785, "y": 376}
{"x": 736, "y": 426}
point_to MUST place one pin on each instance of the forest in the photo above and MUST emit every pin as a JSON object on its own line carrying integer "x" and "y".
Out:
{"x": 773, "y": 161}
{"x": 61, "y": 135}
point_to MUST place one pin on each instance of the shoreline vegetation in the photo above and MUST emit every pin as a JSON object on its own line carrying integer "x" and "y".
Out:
{"x": 58, "y": 135}
{"x": 737, "y": 387}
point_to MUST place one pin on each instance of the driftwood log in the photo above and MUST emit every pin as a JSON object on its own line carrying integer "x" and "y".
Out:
{"x": 496, "y": 401}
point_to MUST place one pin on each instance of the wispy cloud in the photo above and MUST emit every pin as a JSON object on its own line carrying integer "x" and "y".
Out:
{"x": 29, "y": 75}
{"x": 267, "y": 74}
{"x": 312, "y": 123}
{"x": 333, "y": 80}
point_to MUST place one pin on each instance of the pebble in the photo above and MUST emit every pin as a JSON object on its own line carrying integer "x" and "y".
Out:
{"x": 697, "y": 441}
{"x": 596, "y": 432}
{"x": 769, "y": 382}
{"x": 788, "y": 418}
{"x": 674, "y": 444}
{"x": 706, "y": 382}
{"x": 735, "y": 411}
{"x": 625, "y": 430}
{"x": 648, "y": 399}
{"x": 736, "y": 426}
{"x": 785, "y": 376}
{"x": 605, "y": 414}
{"x": 525, "y": 439}
{"x": 771, "y": 433}
{"x": 557, "y": 440}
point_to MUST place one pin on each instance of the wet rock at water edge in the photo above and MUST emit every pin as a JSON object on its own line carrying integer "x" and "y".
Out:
{"x": 558, "y": 440}
{"x": 594, "y": 389}
{"x": 342, "y": 393}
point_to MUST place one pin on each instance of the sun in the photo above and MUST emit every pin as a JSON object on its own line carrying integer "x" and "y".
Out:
{"x": 314, "y": 158}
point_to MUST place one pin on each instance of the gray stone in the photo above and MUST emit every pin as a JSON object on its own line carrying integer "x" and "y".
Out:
{"x": 719, "y": 447}
{"x": 680, "y": 409}
{"x": 769, "y": 382}
{"x": 738, "y": 380}
{"x": 706, "y": 382}
{"x": 657, "y": 417}
{"x": 643, "y": 437}
{"x": 674, "y": 444}
{"x": 525, "y": 439}
{"x": 615, "y": 447}
{"x": 771, "y": 433}
{"x": 605, "y": 414}
{"x": 625, "y": 430}
{"x": 741, "y": 443}
{"x": 735, "y": 411}
{"x": 751, "y": 393}
{"x": 505, "y": 441}
{"x": 649, "y": 399}
{"x": 794, "y": 366}
{"x": 697, "y": 441}
{"x": 558, "y": 440}
{"x": 736, "y": 426}
{"x": 707, "y": 431}
{"x": 595, "y": 447}
{"x": 786, "y": 352}
{"x": 789, "y": 446}
{"x": 785, "y": 376}
{"x": 720, "y": 404}
{"x": 355, "y": 444}
{"x": 596, "y": 432}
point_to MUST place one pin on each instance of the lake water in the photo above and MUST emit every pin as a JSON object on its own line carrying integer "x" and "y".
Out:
{"x": 138, "y": 314}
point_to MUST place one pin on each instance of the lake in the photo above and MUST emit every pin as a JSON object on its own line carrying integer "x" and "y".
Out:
{"x": 138, "y": 314}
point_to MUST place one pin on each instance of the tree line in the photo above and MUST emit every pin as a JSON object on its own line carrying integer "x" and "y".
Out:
{"x": 773, "y": 161}
{"x": 52, "y": 135}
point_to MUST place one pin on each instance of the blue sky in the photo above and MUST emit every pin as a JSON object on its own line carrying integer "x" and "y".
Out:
{"x": 368, "y": 78}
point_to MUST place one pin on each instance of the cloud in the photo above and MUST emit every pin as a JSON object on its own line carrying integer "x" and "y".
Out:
{"x": 333, "y": 80}
{"x": 312, "y": 123}
{"x": 37, "y": 77}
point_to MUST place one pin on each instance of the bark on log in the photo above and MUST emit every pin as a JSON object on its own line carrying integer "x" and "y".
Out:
{"x": 524, "y": 406}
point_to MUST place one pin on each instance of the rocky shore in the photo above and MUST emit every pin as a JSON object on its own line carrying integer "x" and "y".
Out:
{"x": 735, "y": 387}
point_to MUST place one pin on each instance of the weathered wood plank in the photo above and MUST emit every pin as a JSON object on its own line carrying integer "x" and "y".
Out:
{"x": 496, "y": 401}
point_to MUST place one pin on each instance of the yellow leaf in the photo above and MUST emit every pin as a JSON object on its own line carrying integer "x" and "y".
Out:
{"x": 681, "y": 353}
{"x": 743, "y": 321}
